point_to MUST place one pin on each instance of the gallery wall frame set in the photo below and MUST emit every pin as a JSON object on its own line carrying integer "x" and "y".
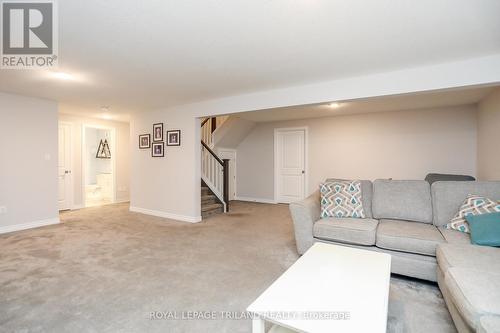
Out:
{"x": 157, "y": 144}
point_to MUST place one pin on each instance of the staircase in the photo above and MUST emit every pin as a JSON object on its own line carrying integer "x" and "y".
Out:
{"x": 214, "y": 174}
{"x": 218, "y": 132}
{"x": 210, "y": 204}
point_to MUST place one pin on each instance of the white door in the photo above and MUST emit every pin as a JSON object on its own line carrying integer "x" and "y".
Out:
{"x": 231, "y": 156}
{"x": 64, "y": 166}
{"x": 290, "y": 165}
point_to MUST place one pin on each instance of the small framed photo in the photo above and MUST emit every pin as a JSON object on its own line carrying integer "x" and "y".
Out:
{"x": 174, "y": 138}
{"x": 157, "y": 149}
{"x": 144, "y": 141}
{"x": 158, "y": 132}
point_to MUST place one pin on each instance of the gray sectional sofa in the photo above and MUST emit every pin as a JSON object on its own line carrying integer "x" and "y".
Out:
{"x": 406, "y": 219}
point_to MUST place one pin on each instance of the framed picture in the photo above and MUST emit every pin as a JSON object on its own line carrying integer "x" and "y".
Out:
{"x": 158, "y": 132}
{"x": 157, "y": 149}
{"x": 144, "y": 141}
{"x": 174, "y": 138}
{"x": 103, "y": 151}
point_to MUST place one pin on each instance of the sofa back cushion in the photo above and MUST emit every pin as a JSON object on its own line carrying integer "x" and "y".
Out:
{"x": 366, "y": 195}
{"x": 447, "y": 197}
{"x": 408, "y": 200}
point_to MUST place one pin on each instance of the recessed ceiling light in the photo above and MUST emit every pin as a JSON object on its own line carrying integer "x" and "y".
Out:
{"x": 106, "y": 116}
{"x": 62, "y": 76}
{"x": 334, "y": 105}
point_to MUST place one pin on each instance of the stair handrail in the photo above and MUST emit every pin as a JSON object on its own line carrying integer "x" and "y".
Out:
{"x": 204, "y": 121}
{"x": 213, "y": 184}
{"x": 221, "y": 162}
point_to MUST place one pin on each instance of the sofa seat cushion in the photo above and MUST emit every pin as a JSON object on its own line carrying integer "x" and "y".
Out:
{"x": 412, "y": 237}
{"x": 479, "y": 258}
{"x": 474, "y": 293}
{"x": 346, "y": 230}
{"x": 455, "y": 237}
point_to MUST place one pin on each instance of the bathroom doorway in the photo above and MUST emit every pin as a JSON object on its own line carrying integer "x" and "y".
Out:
{"x": 99, "y": 161}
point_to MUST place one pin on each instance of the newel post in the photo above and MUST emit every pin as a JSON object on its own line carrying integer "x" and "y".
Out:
{"x": 225, "y": 166}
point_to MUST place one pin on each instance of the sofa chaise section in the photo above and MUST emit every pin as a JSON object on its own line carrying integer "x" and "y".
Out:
{"x": 469, "y": 278}
{"x": 468, "y": 275}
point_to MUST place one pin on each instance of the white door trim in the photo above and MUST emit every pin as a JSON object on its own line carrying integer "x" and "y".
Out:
{"x": 235, "y": 182}
{"x": 306, "y": 157}
{"x": 71, "y": 197}
{"x": 84, "y": 158}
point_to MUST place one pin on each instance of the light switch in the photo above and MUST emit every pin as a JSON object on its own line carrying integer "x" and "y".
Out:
{"x": 3, "y": 210}
{"x": 47, "y": 157}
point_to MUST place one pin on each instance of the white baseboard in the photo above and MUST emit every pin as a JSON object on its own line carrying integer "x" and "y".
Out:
{"x": 259, "y": 200}
{"x": 81, "y": 206}
{"x": 122, "y": 201}
{"x": 183, "y": 218}
{"x": 29, "y": 225}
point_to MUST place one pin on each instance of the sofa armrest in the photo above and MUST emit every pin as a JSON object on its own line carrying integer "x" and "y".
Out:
{"x": 304, "y": 214}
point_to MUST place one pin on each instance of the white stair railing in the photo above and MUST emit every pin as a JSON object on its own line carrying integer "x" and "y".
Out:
{"x": 206, "y": 131}
{"x": 214, "y": 171}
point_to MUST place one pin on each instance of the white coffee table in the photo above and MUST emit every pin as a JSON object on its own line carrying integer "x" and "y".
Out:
{"x": 348, "y": 288}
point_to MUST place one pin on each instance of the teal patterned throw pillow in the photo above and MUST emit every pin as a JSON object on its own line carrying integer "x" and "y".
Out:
{"x": 341, "y": 199}
{"x": 473, "y": 205}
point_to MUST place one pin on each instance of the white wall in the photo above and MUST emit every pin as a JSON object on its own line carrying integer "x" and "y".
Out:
{"x": 122, "y": 151}
{"x": 399, "y": 145}
{"x": 28, "y": 162}
{"x": 489, "y": 137}
{"x": 184, "y": 200}
{"x": 166, "y": 186}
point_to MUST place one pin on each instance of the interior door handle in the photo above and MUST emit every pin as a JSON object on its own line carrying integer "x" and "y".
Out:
{"x": 303, "y": 172}
{"x": 67, "y": 172}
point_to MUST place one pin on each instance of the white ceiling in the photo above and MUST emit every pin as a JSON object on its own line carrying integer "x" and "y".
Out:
{"x": 136, "y": 55}
{"x": 389, "y": 103}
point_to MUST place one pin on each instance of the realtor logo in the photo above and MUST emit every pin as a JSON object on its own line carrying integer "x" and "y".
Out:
{"x": 29, "y": 34}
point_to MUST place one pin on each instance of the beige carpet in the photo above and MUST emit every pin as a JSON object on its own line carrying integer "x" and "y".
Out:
{"x": 106, "y": 269}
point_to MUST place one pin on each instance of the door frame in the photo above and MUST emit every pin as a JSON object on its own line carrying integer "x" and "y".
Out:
{"x": 306, "y": 157}
{"x": 71, "y": 197}
{"x": 220, "y": 151}
{"x": 84, "y": 159}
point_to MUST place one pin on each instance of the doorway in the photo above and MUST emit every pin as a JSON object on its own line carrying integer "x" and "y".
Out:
{"x": 290, "y": 164}
{"x": 98, "y": 165}
{"x": 64, "y": 167}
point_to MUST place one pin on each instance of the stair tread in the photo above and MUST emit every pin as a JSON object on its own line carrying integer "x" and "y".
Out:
{"x": 214, "y": 206}
{"x": 208, "y": 196}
